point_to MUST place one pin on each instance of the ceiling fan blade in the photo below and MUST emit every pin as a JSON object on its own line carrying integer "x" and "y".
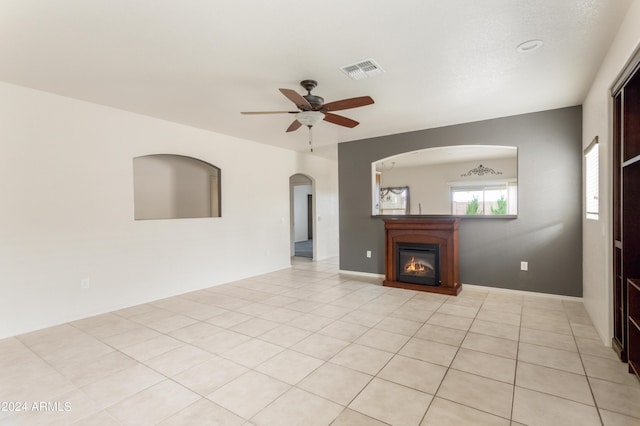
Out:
{"x": 294, "y": 126}
{"x": 347, "y": 103}
{"x": 268, "y": 112}
{"x": 340, "y": 120}
{"x": 297, "y": 99}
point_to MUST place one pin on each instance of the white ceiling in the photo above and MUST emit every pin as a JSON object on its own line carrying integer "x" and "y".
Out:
{"x": 202, "y": 62}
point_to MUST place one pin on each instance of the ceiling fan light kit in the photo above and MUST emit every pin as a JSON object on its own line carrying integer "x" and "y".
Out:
{"x": 310, "y": 118}
{"x": 312, "y": 108}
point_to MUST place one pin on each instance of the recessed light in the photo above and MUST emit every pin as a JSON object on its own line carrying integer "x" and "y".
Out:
{"x": 529, "y": 46}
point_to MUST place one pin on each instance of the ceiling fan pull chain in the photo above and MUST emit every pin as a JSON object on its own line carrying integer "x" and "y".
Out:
{"x": 310, "y": 138}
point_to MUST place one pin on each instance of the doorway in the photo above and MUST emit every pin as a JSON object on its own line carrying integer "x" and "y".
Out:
{"x": 310, "y": 216}
{"x": 302, "y": 214}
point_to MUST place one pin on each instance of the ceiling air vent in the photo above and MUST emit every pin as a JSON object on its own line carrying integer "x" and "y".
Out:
{"x": 363, "y": 69}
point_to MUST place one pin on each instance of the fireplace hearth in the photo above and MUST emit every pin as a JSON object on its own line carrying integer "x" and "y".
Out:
{"x": 422, "y": 254}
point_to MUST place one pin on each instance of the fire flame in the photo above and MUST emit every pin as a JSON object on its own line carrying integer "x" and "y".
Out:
{"x": 412, "y": 266}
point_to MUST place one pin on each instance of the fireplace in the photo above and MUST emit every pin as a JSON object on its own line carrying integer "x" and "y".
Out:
{"x": 418, "y": 263}
{"x": 422, "y": 254}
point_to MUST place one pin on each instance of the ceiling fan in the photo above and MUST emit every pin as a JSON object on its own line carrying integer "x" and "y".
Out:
{"x": 312, "y": 108}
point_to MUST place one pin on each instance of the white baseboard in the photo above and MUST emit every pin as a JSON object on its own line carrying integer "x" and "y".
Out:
{"x": 478, "y": 287}
{"x": 361, "y": 274}
{"x": 522, "y": 292}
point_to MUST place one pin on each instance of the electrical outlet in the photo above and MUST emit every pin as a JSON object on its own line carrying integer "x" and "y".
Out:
{"x": 84, "y": 283}
{"x": 369, "y": 254}
{"x": 524, "y": 266}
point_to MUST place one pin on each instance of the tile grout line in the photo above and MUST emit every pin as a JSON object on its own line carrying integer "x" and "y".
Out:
{"x": 449, "y": 368}
{"x": 595, "y": 402}
{"x": 195, "y": 365}
{"x": 572, "y": 336}
{"x": 386, "y": 363}
{"x": 329, "y": 361}
{"x": 168, "y": 377}
{"x": 324, "y": 363}
{"x": 316, "y": 282}
{"x": 412, "y": 336}
{"x": 515, "y": 372}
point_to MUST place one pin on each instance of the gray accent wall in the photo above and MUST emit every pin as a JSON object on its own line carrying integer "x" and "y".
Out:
{"x": 547, "y": 232}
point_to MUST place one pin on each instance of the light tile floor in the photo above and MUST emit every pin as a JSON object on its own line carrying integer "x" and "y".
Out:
{"x": 309, "y": 346}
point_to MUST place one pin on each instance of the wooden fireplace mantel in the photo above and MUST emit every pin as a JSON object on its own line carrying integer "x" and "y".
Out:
{"x": 443, "y": 232}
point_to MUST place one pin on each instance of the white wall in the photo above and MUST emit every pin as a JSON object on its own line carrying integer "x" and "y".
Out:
{"x": 597, "y": 111}
{"x": 66, "y": 210}
{"x": 325, "y": 187}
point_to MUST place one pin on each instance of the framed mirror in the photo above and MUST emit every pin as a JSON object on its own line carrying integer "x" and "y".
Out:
{"x": 461, "y": 180}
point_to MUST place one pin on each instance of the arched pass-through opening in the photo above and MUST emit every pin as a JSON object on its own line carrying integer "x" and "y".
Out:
{"x": 302, "y": 211}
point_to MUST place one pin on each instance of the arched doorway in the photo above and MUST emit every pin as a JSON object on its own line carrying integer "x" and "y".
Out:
{"x": 302, "y": 211}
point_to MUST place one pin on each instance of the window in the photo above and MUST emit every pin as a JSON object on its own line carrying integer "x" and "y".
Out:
{"x": 495, "y": 199}
{"x": 591, "y": 161}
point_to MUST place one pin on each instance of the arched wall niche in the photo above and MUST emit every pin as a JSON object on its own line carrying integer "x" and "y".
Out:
{"x": 169, "y": 186}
